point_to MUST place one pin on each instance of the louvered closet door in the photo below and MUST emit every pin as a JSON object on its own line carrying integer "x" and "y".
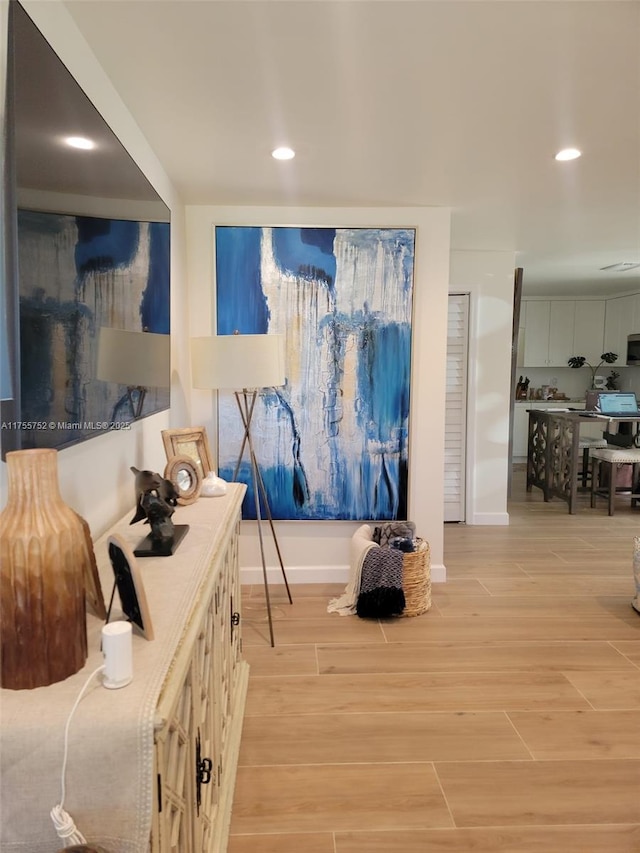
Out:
{"x": 456, "y": 408}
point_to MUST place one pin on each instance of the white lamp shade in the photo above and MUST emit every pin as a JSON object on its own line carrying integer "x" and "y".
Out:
{"x": 136, "y": 359}
{"x": 238, "y": 361}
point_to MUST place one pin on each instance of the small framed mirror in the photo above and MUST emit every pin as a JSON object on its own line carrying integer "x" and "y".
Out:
{"x": 185, "y": 475}
{"x": 191, "y": 442}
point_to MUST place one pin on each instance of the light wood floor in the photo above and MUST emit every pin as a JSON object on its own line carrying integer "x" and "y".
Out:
{"x": 505, "y": 720}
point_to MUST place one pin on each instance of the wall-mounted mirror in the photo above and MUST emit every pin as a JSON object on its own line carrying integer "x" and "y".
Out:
{"x": 92, "y": 239}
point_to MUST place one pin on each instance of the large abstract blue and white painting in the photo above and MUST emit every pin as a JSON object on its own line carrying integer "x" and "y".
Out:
{"x": 333, "y": 442}
{"x": 76, "y": 274}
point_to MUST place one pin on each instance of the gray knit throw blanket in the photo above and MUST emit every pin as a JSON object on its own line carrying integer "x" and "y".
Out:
{"x": 384, "y": 533}
{"x": 381, "y": 592}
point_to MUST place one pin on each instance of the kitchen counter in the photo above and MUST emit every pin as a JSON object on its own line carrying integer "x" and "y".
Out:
{"x": 554, "y": 448}
{"x": 536, "y": 404}
{"x": 521, "y": 422}
{"x": 552, "y": 460}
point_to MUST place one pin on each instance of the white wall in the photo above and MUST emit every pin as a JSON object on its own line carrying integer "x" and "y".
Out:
{"x": 488, "y": 278}
{"x": 94, "y": 476}
{"x": 318, "y": 551}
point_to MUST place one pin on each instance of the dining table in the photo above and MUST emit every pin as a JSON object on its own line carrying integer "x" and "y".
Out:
{"x": 553, "y": 448}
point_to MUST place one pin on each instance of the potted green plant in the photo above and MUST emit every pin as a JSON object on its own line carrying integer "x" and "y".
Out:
{"x": 580, "y": 361}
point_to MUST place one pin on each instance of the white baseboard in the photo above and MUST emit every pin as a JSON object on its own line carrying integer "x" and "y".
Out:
{"x": 438, "y": 574}
{"x": 490, "y": 518}
{"x": 296, "y": 574}
{"x": 315, "y": 574}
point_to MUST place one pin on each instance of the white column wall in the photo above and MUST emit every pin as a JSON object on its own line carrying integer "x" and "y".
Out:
{"x": 488, "y": 278}
{"x": 319, "y": 551}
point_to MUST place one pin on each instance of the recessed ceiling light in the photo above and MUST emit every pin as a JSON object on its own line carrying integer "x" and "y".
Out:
{"x": 80, "y": 142}
{"x": 568, "y": 154}
{"x": 283, "y": 153}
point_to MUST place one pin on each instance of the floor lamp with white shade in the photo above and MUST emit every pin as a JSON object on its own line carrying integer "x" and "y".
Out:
{"x": 140, "y": 360}
{"x": 245, "y": 364}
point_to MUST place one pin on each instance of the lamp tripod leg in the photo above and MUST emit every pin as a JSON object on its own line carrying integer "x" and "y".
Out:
{"x": 273, "y": 532}
{"x": 246, "y": 403}
{"x": 254, "y": 475}
{"x": 246, "y": 413}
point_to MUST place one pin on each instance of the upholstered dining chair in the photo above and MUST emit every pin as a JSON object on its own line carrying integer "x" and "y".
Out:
{"x": 605, "y": 461}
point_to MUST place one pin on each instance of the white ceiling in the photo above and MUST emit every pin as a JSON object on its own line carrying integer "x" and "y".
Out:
{"x": 394, "y": 103}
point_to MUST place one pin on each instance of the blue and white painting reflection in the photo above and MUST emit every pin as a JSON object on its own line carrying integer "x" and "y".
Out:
{"x": 333, "y": 442}
{"x": 78, "y": 273}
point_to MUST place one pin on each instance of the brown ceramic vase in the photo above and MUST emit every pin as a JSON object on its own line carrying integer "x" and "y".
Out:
{"x": 43, "y": 553}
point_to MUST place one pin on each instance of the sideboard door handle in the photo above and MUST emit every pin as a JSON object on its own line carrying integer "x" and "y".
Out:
{"x": 204, "y": 766}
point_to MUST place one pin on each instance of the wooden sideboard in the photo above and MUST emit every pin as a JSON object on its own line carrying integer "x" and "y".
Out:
{"x": 151, "y": 766}
{"x": 200, "y": 711}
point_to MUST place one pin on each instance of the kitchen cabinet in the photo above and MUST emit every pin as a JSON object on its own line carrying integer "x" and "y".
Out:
{"x": 621, "y": 320}
{"x": 561, "y": 332}
{"x": 555, "y": 330}
{"x": 536, "y": 334}
{"x": 548, "y": 333}
{"x": 588, "y": 329}
{"x": 520, "y": 434}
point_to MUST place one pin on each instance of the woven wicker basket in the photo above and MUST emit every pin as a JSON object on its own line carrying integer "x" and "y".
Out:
{"x": 416, "y": 580}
